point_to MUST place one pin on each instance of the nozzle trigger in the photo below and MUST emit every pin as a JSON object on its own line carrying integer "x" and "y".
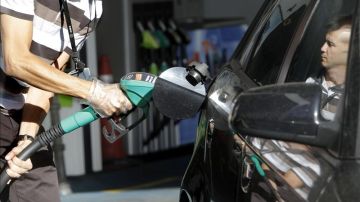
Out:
{"x": 115, "y": 129}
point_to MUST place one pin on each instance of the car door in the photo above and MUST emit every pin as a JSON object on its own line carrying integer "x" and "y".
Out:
{"x": 293, "y": 171}
{"x": 263, "y": 63}
{"x": 228, "y": 167}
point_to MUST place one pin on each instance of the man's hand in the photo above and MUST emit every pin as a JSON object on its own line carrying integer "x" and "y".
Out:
{"x": 108, "y": 99}
{"x": 18, "y": 167}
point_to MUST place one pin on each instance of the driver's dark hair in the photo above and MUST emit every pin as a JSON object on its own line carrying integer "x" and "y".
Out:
{"x": 338, "y": 22}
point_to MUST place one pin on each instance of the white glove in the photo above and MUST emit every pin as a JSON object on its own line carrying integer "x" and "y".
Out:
{"x": 108, "y": 99}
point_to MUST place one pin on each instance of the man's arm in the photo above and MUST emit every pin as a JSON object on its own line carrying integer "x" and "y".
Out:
{"x": 36, "y": 106}
{"x": 37, "y": 102}
{"x": 20, "y": 63}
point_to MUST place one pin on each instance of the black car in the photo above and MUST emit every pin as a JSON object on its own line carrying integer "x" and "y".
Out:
{"x": 251, "y": 132}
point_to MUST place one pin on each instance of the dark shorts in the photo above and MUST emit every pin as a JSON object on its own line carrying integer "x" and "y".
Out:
{"x": 41, "y": 183}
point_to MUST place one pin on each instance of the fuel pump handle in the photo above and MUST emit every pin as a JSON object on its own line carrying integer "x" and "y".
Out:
{"x": 137, "y": 86}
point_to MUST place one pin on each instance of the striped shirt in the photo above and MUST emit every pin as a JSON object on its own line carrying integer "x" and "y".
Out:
{"x": 330, "y": 97}
{"x": 50, "y": 34}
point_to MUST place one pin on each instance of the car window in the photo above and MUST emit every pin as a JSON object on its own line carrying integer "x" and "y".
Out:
{"x": 307, "y": 63}
{"x": 272, "y": 44}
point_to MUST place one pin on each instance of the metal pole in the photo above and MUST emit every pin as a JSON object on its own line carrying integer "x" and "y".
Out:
{"x": 59, "y": 147}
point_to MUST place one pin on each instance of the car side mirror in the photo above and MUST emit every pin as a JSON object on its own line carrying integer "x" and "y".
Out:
{"x": 289, "y": 112}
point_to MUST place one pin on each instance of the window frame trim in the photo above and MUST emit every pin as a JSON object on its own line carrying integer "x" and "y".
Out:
{"x": 350, "y": 118}
{"x": 296, "y": 40}
{"x": 243, "y": 53}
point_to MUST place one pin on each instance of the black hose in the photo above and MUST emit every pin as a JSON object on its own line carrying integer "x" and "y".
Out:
{"x": 41, "y": 140}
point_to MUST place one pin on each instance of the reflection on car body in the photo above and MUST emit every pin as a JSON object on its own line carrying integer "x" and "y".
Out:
{"x": 296, "y": 163}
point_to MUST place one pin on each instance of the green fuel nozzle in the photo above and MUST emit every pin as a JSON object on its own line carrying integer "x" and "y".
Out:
{"x": 138, "y": 87}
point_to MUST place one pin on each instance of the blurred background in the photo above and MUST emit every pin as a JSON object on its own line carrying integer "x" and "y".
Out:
{"x": 150, "y": 36}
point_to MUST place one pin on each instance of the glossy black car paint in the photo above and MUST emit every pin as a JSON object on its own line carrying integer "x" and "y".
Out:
{"x": 232, "y": 167}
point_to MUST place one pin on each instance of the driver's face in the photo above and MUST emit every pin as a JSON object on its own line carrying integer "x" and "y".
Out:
{"x": 335, "y": 49}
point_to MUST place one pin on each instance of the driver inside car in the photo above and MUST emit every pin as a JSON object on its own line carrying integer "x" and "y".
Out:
{"x": 334, "y": 53}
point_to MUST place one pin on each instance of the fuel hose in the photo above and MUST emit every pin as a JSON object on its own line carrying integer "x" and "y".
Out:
{"x": 67, "y": 125}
